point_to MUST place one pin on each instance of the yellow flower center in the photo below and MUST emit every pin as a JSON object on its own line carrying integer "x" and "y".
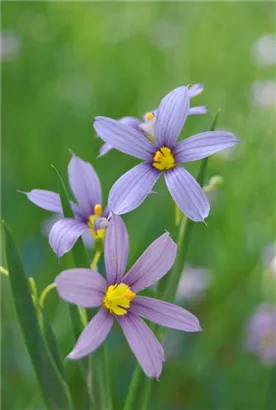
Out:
{"x": 117, "y": 298}
{"x": 96, "y": 233}
{"x": 149, "y": 116}
{"x": 163, "y": 159}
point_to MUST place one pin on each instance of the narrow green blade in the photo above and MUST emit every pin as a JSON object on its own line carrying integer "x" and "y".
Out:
{"x": 54, "y": 390}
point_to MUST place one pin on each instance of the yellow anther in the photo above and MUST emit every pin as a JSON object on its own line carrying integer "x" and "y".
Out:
{"x": 117, "y": 299}
{"x": 149, "y": 116}
{"x": 98, "y": 210}
{"x": 163, "y": 159}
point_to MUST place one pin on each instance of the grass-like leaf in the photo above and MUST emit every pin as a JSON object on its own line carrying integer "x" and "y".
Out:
{"x": 53, "y": 387}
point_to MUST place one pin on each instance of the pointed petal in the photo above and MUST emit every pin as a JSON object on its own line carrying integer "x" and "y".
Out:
{"x": 105, "y": 148}
{"x": 195, "y": 90}
{"x": 171, "y": 116}
{"x": 131, "y": 121}
{"x": 64, "y": 234}
{"x": 132, "y": 188}
{"x": 116, "y": 249}
{"x": 199, "y": 110}
{"x": 143, "y": 343}
{"x": 153, "y": 264}
{"x": 187, "y": 194}
{"x": 82, "y": 287}
{"x": 93, "y": 335}
{"x": 85, "y": 184}
{"x": 124, "y": 138}
{"x": 45, "y": 199}
{"x": 202, "y": 145}
{"x": 165, "y": 314}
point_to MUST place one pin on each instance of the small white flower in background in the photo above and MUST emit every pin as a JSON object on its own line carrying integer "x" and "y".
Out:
{"x": 261, "y": 333}
{"x": 264, "y": 50}
{"x": 193, "y": 283}
{"x": 9, "y": 46}
{"x": 263, "y": 93}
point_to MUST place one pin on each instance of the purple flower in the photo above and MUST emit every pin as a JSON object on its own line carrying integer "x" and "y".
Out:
{"x": 147, "y": 127}
{"x": 163, "y": 156}
{"x": 117, "y": 299}
{"x": 261, "y": 333}
{"x": 89, "y": 216}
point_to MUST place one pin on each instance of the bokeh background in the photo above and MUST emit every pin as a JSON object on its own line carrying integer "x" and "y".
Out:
{"x": 64, "y": 63}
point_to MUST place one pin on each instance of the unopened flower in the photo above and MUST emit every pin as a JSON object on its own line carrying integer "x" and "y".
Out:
{"x": 163, "y": 156}
{"x": 261, "y": 333}
{"x": 147, "y": 125}
{"x": 89, "y": 216}
{"x": 117, "y": 298}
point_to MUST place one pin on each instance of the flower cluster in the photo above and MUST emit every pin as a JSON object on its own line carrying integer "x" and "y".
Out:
{"x": 154, "y": 141}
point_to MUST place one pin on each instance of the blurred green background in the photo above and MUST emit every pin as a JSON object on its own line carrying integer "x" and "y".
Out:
{"x": 64, "y": 63}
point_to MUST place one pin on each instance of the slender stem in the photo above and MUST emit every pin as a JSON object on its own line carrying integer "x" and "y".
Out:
{"x": 83, "y": 315}
{"x": 96, "y": 260}
{"x": 107, "y": 378}
{"x": 45, "y": 292}
{"x": 146, "y": 393}
{"x": 133, "y": 387}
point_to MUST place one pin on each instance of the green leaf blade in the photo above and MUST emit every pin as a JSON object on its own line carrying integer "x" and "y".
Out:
{"x": 54, "y": 390}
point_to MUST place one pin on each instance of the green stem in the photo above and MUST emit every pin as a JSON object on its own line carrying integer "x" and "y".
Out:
{"x": 45, "y": 292}
{"x": 107, "y": 377}
{"x": 146, "y": 393}
{"x": 133, "y": 387}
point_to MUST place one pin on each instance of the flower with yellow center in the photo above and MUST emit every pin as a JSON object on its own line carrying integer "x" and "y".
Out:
{"x": 88, "y": 217}
{"x": 117, "y": 298}
{"x": 96, "y": 233}
{"x": 163, "y": 159}
{"x": 165, "y": 154}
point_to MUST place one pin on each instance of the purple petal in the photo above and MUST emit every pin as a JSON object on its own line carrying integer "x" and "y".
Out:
{"x": 116, "y": 248}
{"x": 88, "y": 239}
{"x": 145, "y": 346}
{"x": 45, "y": 199}
{"x": 64, "y": 234}
{"x": 124, "y": 138}
{"x": 131, "y": 121}
{"x": 195, "y": 90}
{"x": 165, "y": 314}
{"x": 82, "y": 287}
{"x": 85, "y": 184}
{"x": 202, "y": 145}
{"x": 153, "y": 264}
{"x": 171, "y": 116}
{"x": 105, "y": 148}
{"x": 93, "y": 335}
{"x": 132, "y": 188}
{"x": 187, "y": 194}
{"x": 199, "y": 110}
